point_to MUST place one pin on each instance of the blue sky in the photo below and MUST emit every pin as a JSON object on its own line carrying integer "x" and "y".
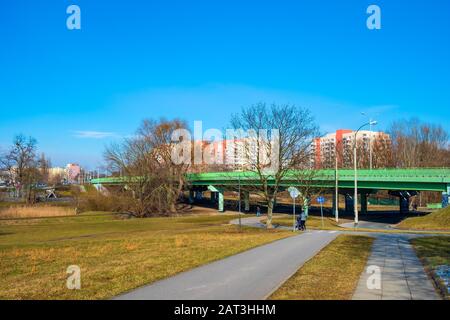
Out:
{"x": 76, "y": 91}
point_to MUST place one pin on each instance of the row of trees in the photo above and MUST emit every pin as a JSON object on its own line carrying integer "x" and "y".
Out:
{"x": 416, "y": 144}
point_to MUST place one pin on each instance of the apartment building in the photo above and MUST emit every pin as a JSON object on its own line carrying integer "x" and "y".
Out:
{"x": 339, "y": 145}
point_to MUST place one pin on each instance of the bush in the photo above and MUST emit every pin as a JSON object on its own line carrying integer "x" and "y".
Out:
{"x": 89, "y": 199}
{"x": 162, "y": 201}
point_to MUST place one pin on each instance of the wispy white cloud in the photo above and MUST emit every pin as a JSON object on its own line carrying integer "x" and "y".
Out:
{"x": 94, "y": 134}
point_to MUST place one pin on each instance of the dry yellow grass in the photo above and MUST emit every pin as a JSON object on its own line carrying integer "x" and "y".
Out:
{"x": 36, "y": 212}
{"x": 332, "y": 274}
{"x": 115, "y": 255}
{"x": 438, "y": 220}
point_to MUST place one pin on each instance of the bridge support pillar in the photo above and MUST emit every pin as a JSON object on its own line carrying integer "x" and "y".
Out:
{"x": 334, "y": 202}
{"x": 349, "y": 204}
{"x": 446, "y": 197}
{"x": 221, "y": 200}
{"x": 306, "y": 206}
{"x": 363, "y": 203}
{"x": 198, "y": 195}
{"x": 404, "y": 204}
{"x": 246, "y": 201}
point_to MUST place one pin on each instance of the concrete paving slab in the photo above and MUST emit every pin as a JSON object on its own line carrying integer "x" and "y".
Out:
{"x": 402, "y": 273}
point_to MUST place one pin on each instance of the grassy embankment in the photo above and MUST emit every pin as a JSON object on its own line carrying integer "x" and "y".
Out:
{"x": 434, "y": 251}
{"x": 438, "y": 220}
{"x": 114, "y": 255}
{"x": 332, "y": 274}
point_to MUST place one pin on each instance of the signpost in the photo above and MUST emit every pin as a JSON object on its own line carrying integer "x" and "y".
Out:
{"x": 321, "y": 201}
{"x": 294, "y": 194}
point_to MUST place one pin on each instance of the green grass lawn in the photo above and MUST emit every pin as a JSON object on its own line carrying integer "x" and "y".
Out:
{"x": 114, "y": 255}
{"x": 332, "y": 274}
{"x": 439, "y": 220}
{"x": 433, "y": 251}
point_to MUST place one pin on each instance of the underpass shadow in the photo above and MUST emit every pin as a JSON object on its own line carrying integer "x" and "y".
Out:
{"x": 390, "y": 217}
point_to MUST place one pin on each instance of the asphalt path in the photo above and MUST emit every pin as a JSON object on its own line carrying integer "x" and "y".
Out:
{"x": 250, "y": 275}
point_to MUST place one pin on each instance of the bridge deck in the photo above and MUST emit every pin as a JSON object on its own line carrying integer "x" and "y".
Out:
{"x": 382, "y": 179}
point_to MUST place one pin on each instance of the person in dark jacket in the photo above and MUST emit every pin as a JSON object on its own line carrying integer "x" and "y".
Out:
{"x": 298, "y": 223}
{"x": 303, "y": 220}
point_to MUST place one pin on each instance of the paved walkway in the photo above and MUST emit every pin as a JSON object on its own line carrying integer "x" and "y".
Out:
{"x": 256, "y": 273}
{"x": 368, "y": 225}
{"x": 402, "y": 273}
{"x": 253, "y": 274}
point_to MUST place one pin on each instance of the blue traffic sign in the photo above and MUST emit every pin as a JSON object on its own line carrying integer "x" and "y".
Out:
{"x": 320, "y": 200}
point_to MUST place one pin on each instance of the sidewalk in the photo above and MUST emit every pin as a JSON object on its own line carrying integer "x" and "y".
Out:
{"x": 253, "y": 274}
{"x": 402, "y": 273}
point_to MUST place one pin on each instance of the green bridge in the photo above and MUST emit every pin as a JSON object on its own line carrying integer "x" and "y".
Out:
{"x": 402, "y": 183}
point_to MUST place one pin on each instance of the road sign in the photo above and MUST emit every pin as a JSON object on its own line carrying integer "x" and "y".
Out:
{"x": 321, "y": 201}
{"x": 293, "y": 192}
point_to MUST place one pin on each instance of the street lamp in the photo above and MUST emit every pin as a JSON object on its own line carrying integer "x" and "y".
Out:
{"x": 239, "y": 205}
{"x": 336, "y": 190}
{"x": 371, "y": 122}
{"x": 355, "y": 199}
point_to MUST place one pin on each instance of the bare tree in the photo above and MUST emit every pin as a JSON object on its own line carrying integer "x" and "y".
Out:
{"x": 278, "y": 140}
{"x": 22, "y": 165}
{"x": 153, "y": 181}
{"x": 44, "y": 165}
{"x": 418, "y": 144}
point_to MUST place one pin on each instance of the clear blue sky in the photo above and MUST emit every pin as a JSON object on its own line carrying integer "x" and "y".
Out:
{"x": 203, "y": 60}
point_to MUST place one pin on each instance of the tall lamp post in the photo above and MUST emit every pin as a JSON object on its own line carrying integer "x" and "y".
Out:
{"x": 336, "y": 196}
{"x": 355, "y": 161}
{"x": 371, "y": 122}
{"x": 239, "y": 205}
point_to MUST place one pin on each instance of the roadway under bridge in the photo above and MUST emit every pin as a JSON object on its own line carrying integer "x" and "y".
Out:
{"x": 403, "y": 183}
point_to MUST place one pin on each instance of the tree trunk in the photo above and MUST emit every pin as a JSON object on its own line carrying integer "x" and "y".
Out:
{"x": 269, "y": 214}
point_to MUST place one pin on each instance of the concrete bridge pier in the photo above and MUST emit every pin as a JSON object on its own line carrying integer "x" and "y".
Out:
{"x": 221, "y": 200}
{"x": 446, "y": 198}
{"x": 306, "y": 203}
{"x": 217, "y": 195}
{"x": 363, "y": 203}
{"x": 349, "y": 204}
{"x": 191, "y": 196}
{"x": 246, "y": 201}
{"x": 334, "y": 202}
{"x": 198, "y": 195}
{"x": 404, "y": 204}
{"x": 404, "y": 197}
